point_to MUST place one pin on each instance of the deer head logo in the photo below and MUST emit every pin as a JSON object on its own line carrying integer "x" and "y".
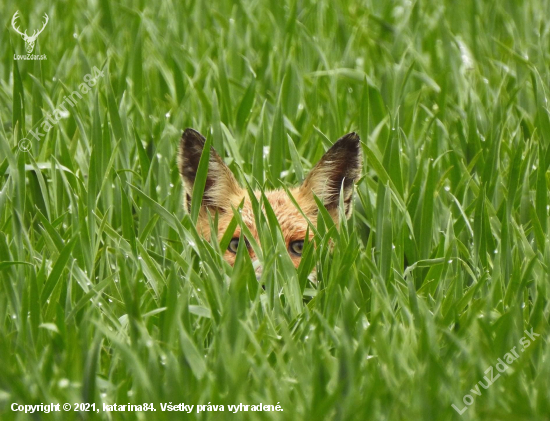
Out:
{"x": 29, "y": 40}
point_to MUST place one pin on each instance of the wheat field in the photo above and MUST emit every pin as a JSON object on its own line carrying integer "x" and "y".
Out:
{"x": 425, "y": 298}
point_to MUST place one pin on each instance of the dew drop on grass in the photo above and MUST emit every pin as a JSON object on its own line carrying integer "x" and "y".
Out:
{"x": 63, "y": 383}
{"x": 398, "y": 12}
{"x": 14, "y": 317}
{"x": 130, "y": 392}
{"x": 496, "y": 251}
{"x": 167, "y": 115}
{"x": 139, "y": 257}
{"x": 447, "y": 188}
{"x": 103, "y": 395}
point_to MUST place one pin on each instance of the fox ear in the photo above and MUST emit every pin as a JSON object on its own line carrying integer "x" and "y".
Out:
{"x": 221, "y": 189}
{"x": 339, "y": 168}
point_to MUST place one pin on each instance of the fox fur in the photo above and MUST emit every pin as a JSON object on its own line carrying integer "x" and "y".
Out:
{"x": 338, "y": 170}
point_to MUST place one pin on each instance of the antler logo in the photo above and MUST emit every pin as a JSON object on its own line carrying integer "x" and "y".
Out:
{"x": 29, "y": 40}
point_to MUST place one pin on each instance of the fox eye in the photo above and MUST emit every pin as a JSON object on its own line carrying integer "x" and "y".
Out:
{"x": 296, "y": 247}
{"x": 233, "y": 245}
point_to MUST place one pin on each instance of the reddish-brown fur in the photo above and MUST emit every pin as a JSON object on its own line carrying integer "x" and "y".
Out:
{"x": 339, "y": 168}
{"x": 293, "y": 224}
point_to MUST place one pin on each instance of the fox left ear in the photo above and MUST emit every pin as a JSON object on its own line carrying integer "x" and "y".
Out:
{"x": 338, "y": 169}
{"x": 221, "y": 189}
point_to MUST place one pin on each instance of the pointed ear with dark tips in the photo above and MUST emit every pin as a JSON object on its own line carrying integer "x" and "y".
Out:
{"x": 339, "y": 168}
{"x": 221, "y": 189}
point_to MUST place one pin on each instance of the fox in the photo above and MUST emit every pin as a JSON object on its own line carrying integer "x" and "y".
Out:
{"x": 336, "y": 173}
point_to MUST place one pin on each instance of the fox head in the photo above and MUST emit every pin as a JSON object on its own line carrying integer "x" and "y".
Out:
{"x": 337, "y": 171}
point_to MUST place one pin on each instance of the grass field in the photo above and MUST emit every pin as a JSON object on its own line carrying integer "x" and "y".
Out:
{"x": 108, "y": 295}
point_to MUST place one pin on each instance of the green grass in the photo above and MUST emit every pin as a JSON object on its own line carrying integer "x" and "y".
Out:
{"x": 107, "y": 294}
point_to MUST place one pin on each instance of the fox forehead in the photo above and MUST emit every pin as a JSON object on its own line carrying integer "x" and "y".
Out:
{"x": 293, "y": 224}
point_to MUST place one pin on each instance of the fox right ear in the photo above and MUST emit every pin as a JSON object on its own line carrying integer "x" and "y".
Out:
{"x": 338, "y": 169}
{"x": 221, "y": 189}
